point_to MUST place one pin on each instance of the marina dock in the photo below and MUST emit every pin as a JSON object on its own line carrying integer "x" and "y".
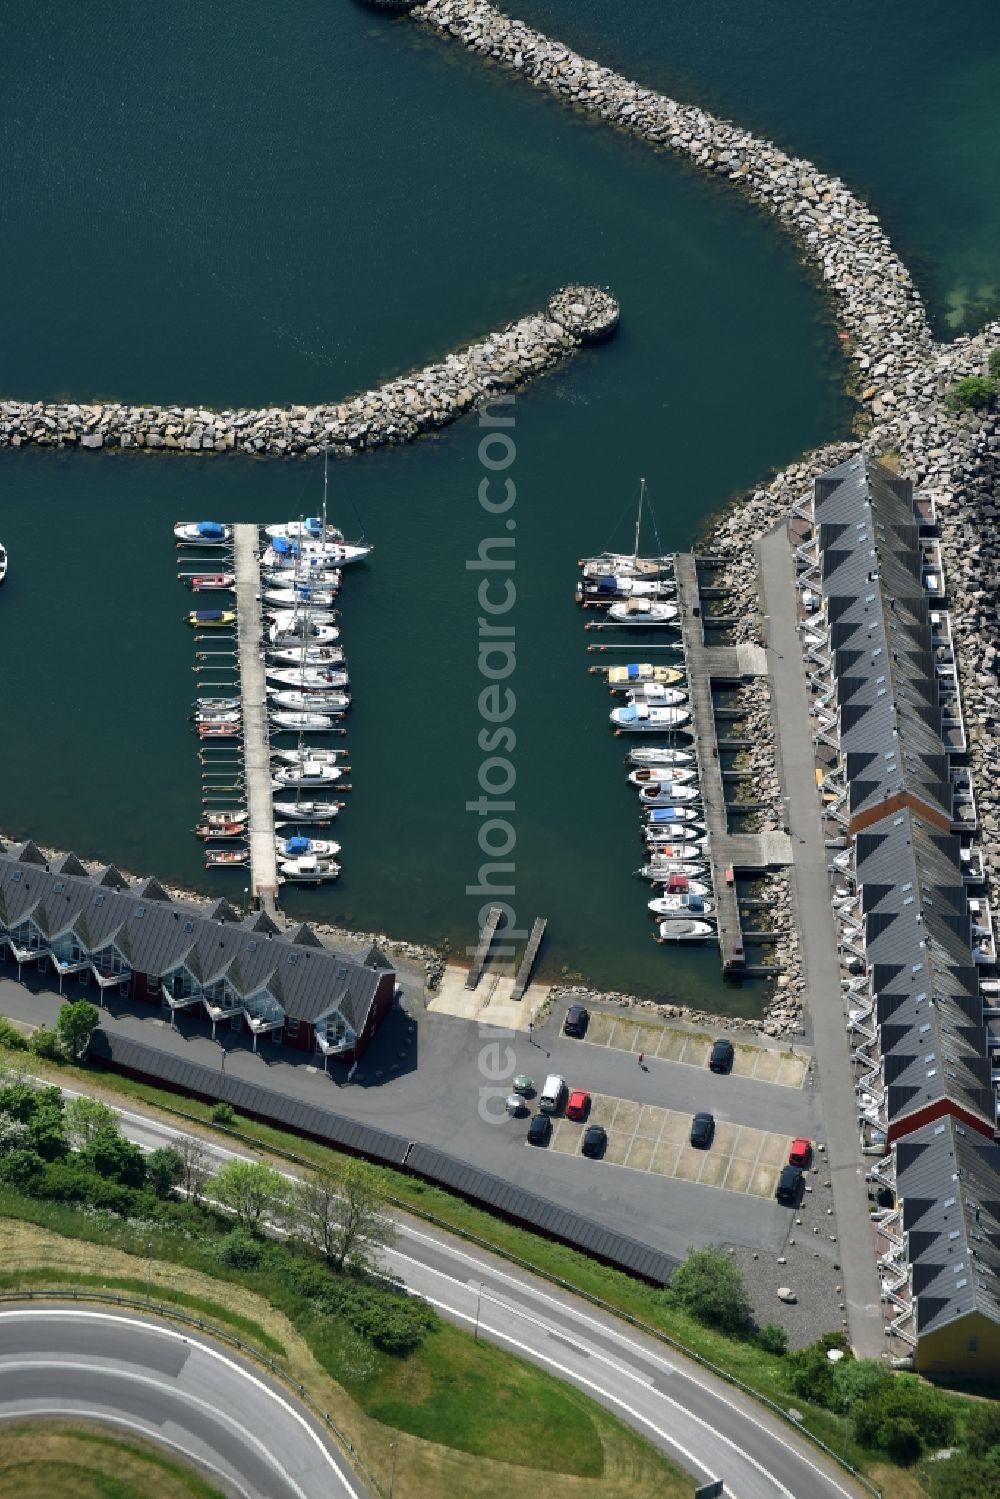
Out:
{"x": 486, "y": 936}
{"x": 729, "y": 853}
{"x": 530, "y": 954}
{"x": 257, "y": 752}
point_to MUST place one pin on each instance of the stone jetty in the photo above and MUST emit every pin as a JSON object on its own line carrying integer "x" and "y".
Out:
{"x": 393, "y": 413}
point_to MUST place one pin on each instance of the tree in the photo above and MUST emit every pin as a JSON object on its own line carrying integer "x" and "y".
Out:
{"x": 45, "y": 1043}
{"x": 85, "y": 1118}
{"x": 164, "y": 1170}
{"x": 78, "y": 1020}
{"x": 974, "y": 393}
{"x": 710, "y": 1286}
{"x": 773, "y": 1338}
{"x": 46, "y": 1125}
{"x": 195, "y": 1169}
{"x": 993, "y": 364}
{"x": 964, "y": 1477}
{"x": 13, "y": 1134}
{"x": 223, "y": 1114}
{"x": 251, "y": 1191}
{"x": 982, "y": 1421}
{"x": 342, "y": 1214}
{"x": 112, "y": 1156}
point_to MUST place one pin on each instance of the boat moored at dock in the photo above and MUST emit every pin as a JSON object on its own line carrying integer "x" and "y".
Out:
{"x": 211, "y": 619}
{"x": 303, "y": 723}
{"x": 318, "y": 812}
{"x": 307, "y": 870}
{"x": 202, "y": 533}
{"x": 641, "y": 718}
{"x": 623, "y": 678}
{"x": 657, "y": 755}
{"x": 310, "y": 702}
{"x": 684, "y": 931}
{"x": 646, "y": 614}
{"x": 298, "y": 845}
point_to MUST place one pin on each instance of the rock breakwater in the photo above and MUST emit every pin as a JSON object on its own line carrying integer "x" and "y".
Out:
{"x": 393, "y": 413}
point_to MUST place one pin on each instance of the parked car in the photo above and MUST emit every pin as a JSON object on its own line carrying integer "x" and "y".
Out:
{"x": 515, "y": 1105}
{"x": 523, "y": 1084}
{"x": 595, "y": 1140}
{"x": 578, "y": 1105}
{"x": 722, "y": 1055}
{"x": 702, "y": 1130}
{"x": 577, "y": 1018}
{"x": 800, "y": 1152}
{"x": 553, "y": 1091}
{"x": 539, "y": 1129}
{"x": 789, "y": 1185}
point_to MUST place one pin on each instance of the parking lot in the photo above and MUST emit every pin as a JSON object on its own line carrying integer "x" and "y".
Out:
{"x": 788, "y": 1069}
{"x": 645, "y": 1138}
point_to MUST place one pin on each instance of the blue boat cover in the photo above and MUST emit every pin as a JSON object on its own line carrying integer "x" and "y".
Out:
{"x": 281, "y": 545}
{"x": 695, "y": 903}
{"x": 633, "y": 671}
{"x": 608, "y": 585}
{"x": 208, "y": 614}
{"x": 665, "y": 814}
{"x": 299, "y": 845}
{"x": 314, "y": 525}
{"x": 628, "y": 714}
{"x": 212, "y": 529}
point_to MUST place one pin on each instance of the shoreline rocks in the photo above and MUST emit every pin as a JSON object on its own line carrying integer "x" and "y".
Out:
{"x": 393, "y": 413}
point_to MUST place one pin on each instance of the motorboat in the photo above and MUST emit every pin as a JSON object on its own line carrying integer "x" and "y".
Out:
{"x": 668, "y": 793}
{"x": 697, "y": 888}
{"x": 621, "y": 678}
{"x": 319, "y": 577}
{"x": 308, "y": 679}
{"x": 684, "y": 931}
{"x": 310, "y": 702}
{"x": 227, "y": 858}
{"x": 290, "y": 626}
{"x": 303, "y": 723}
{"x": 655, "y": 692}
{"x": 317, "y": 614}
{"x": 653, "y": 754}
{"x": 662, "y": 874}
{"x": 226, "y": 815}
{"x": 317, "y": 756}
{"x": 215, "y": 715}
{"x": 298, "y": 844}
{"x": 296, "y": 811}
{"x": 307, "y": 870}
{"x": 308, "y": 655}
{"x": 669, "y": 856}
{"x": 640, "y": 718}
{"x": 216, "y": 704}
{"x": 202, "y": 533}
{"x": 313, "y": 599}
{"x": 222, "y": 730}
{"x": 211, "y": 619}
{"x": 309, "y": 529}
{"x": 212, "y": 830}
{"x": 649, "y": 613}
{"x": 3, "y": 562}
{"x": 686, "y": 905}
{"x": 674, "y": 834}
{"x": 606, "y": 588}
{"x": 660, "y": 817}
{"x": 206, "y": 582}
{"x": 646, "y": 775}
{"x": 307, "y": 773}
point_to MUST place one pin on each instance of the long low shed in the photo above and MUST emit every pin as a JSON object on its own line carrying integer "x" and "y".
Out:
{"x": 506, "y": 1199}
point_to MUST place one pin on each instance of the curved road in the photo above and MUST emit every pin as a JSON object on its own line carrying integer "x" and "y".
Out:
{"x": 704, "y": 1424}
{"x": 175, "y": 1388}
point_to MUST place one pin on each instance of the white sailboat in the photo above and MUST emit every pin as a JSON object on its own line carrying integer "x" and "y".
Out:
{"x": 307, "y": 655}
{"x": 292, "y": 625}
{"x": 647, "y": 614}
{"x": 309, "y": 702}
{"x": 651, "y": 775}
{"x": 302, "y": 811}
{"x": 629, "y": 565}
{"x": 308, "y": 679}
{"x": 657, "y": 755}
{"x": 309, "y": 774}
{"x": 286, "y": 722}
{"x": 3, "y": 562}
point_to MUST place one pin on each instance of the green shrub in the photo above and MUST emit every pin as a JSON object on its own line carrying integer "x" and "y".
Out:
{"x": 110, "y": 1155}
{"x": 993, "y": 364}
{"x": 710, "y": 1286}
{"x": 223, "y": 1114}
{"x": 974, "y": 393}
{"x": 19, "y": 1168}
{"x": 164, "y": 1170}
{"x": 982, "y": 1422}
{"x": 45, "y": 1043}
{"x": 10, "y": 1037}
{"x": 904, "y": 1418}
{"x": 391, "y": 1321}
{"x": 772, "y": 1338}
{"x": 964, "y": 1477}
{"x": 241, "y": 1251}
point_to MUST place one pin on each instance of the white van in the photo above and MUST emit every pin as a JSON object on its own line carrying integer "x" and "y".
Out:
{"x": 551, "y": 1095}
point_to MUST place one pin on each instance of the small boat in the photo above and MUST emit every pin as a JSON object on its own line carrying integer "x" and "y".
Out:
{"x": 621, "y": 678}
{"x": 211, "y": 619}
{"x": 691, "y": 887}
{"x": 660, "y": 817}
{"x": 291, "y": 554}
{"x": 216, "y": 715}
{"x": 655, "y": 692}
{"x": 310, "y": 655}
{"x": 303, "y": 723}
{"x": 297, "y": 845}
{"x": 607, "y": 589}
{"x": 658, "y": 874}
{"x": 653, "y": 754}
{"x": 226, "y": 858}
{"x": 308, "y": 679}
{"x": 675, "y": 833}
{"x": 202, "y": 533}
{"x": 216, "y": 819}
{"x": 624, "y": 565}
{"x": 220, "y": 730}
{"x": 307, "y": 870}
{"x": 313, "y": 599}
{"x": 216, "y": 704}
{"x": 3, "y": 562}
{"x": 283, "y": 577}
{"x": 318, "y": 756}
{"x": 640, "y": 718}
{"x": 318, "y": 812}
{"x": 684, "y": 931}
{"x": 211, "y": 830}
{"x": 307, "y": 773}
{"x": 669, "y": 857}
{"x": 310, "y": 702}
{"x": 686, "y": 905}
{"x": 646, "y": 775}
{"x": 649, "y": 613}
{"x": 310, "y": 529}
{"x": 206, "y": 582}
{"x": 667, "y": 794}
{"x": 291, "y": 625}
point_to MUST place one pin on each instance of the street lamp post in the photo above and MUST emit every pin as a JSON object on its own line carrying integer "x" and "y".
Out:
{"x": 392, "y": 1470}
{"x": 479, "y": 1303}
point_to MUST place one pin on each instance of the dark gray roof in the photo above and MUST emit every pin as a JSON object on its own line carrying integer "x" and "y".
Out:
{"x": 156, "y": 936}
{"x": 948, "y": 1179}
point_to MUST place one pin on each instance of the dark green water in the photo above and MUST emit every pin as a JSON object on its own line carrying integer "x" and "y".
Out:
{"x": 212, "y": 206}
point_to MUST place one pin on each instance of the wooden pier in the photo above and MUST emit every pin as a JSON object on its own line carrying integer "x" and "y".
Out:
{"x": 528, "y": 961}
{"x": 256, "y": 744}
{"x": 486, "y": 936}
{"x": 729, "y": 853}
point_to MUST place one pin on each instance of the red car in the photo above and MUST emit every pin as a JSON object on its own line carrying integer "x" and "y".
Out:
{"x": 579, "y": 1104}
{"x": 800, "y": 1152}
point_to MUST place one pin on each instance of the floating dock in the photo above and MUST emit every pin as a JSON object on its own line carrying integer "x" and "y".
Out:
{"x": 256, "y": 744}
{"x": 729, "y": 853}
{"x": 528, "y": 961}
{"x": 486, "y": 936}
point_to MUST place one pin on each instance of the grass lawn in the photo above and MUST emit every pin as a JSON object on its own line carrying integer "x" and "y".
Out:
{"x": 467, "y": 1419}
{"x": 74, "y": 1460}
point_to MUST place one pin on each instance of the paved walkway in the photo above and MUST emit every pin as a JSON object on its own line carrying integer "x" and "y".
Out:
{"x": 256, "y": 740}
{"x": 821, "y": 966}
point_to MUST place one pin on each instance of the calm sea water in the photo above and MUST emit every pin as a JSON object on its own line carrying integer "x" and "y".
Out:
{"x": 211, "y": 206}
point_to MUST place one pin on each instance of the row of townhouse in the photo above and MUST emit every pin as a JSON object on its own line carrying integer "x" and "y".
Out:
{"x": 916, "y": 931}
{"x": 242, "y": 973}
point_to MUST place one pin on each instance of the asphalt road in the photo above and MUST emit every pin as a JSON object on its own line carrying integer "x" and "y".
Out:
{"x": 175, "y": 1388}
{"x": 701, "y": 1422}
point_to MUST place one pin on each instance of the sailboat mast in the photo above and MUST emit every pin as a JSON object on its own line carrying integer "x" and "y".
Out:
{"x": 638, "y": 519}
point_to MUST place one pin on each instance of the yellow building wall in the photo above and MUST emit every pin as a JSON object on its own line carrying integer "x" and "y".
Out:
{"x": 969, "y": 1347}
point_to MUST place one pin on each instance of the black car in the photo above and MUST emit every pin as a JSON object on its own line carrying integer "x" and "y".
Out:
{"x": 789, "y": 1185}
{"x": 576, "y": 1020}
{"x": 539, "y": 1130}
{"x": 722, "y": 1055}
{"x": 702, "y": 1130}
{"x": 595, "y": 1140}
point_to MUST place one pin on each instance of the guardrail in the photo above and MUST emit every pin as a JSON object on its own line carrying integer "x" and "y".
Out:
{"x": 172, "y": 1313}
